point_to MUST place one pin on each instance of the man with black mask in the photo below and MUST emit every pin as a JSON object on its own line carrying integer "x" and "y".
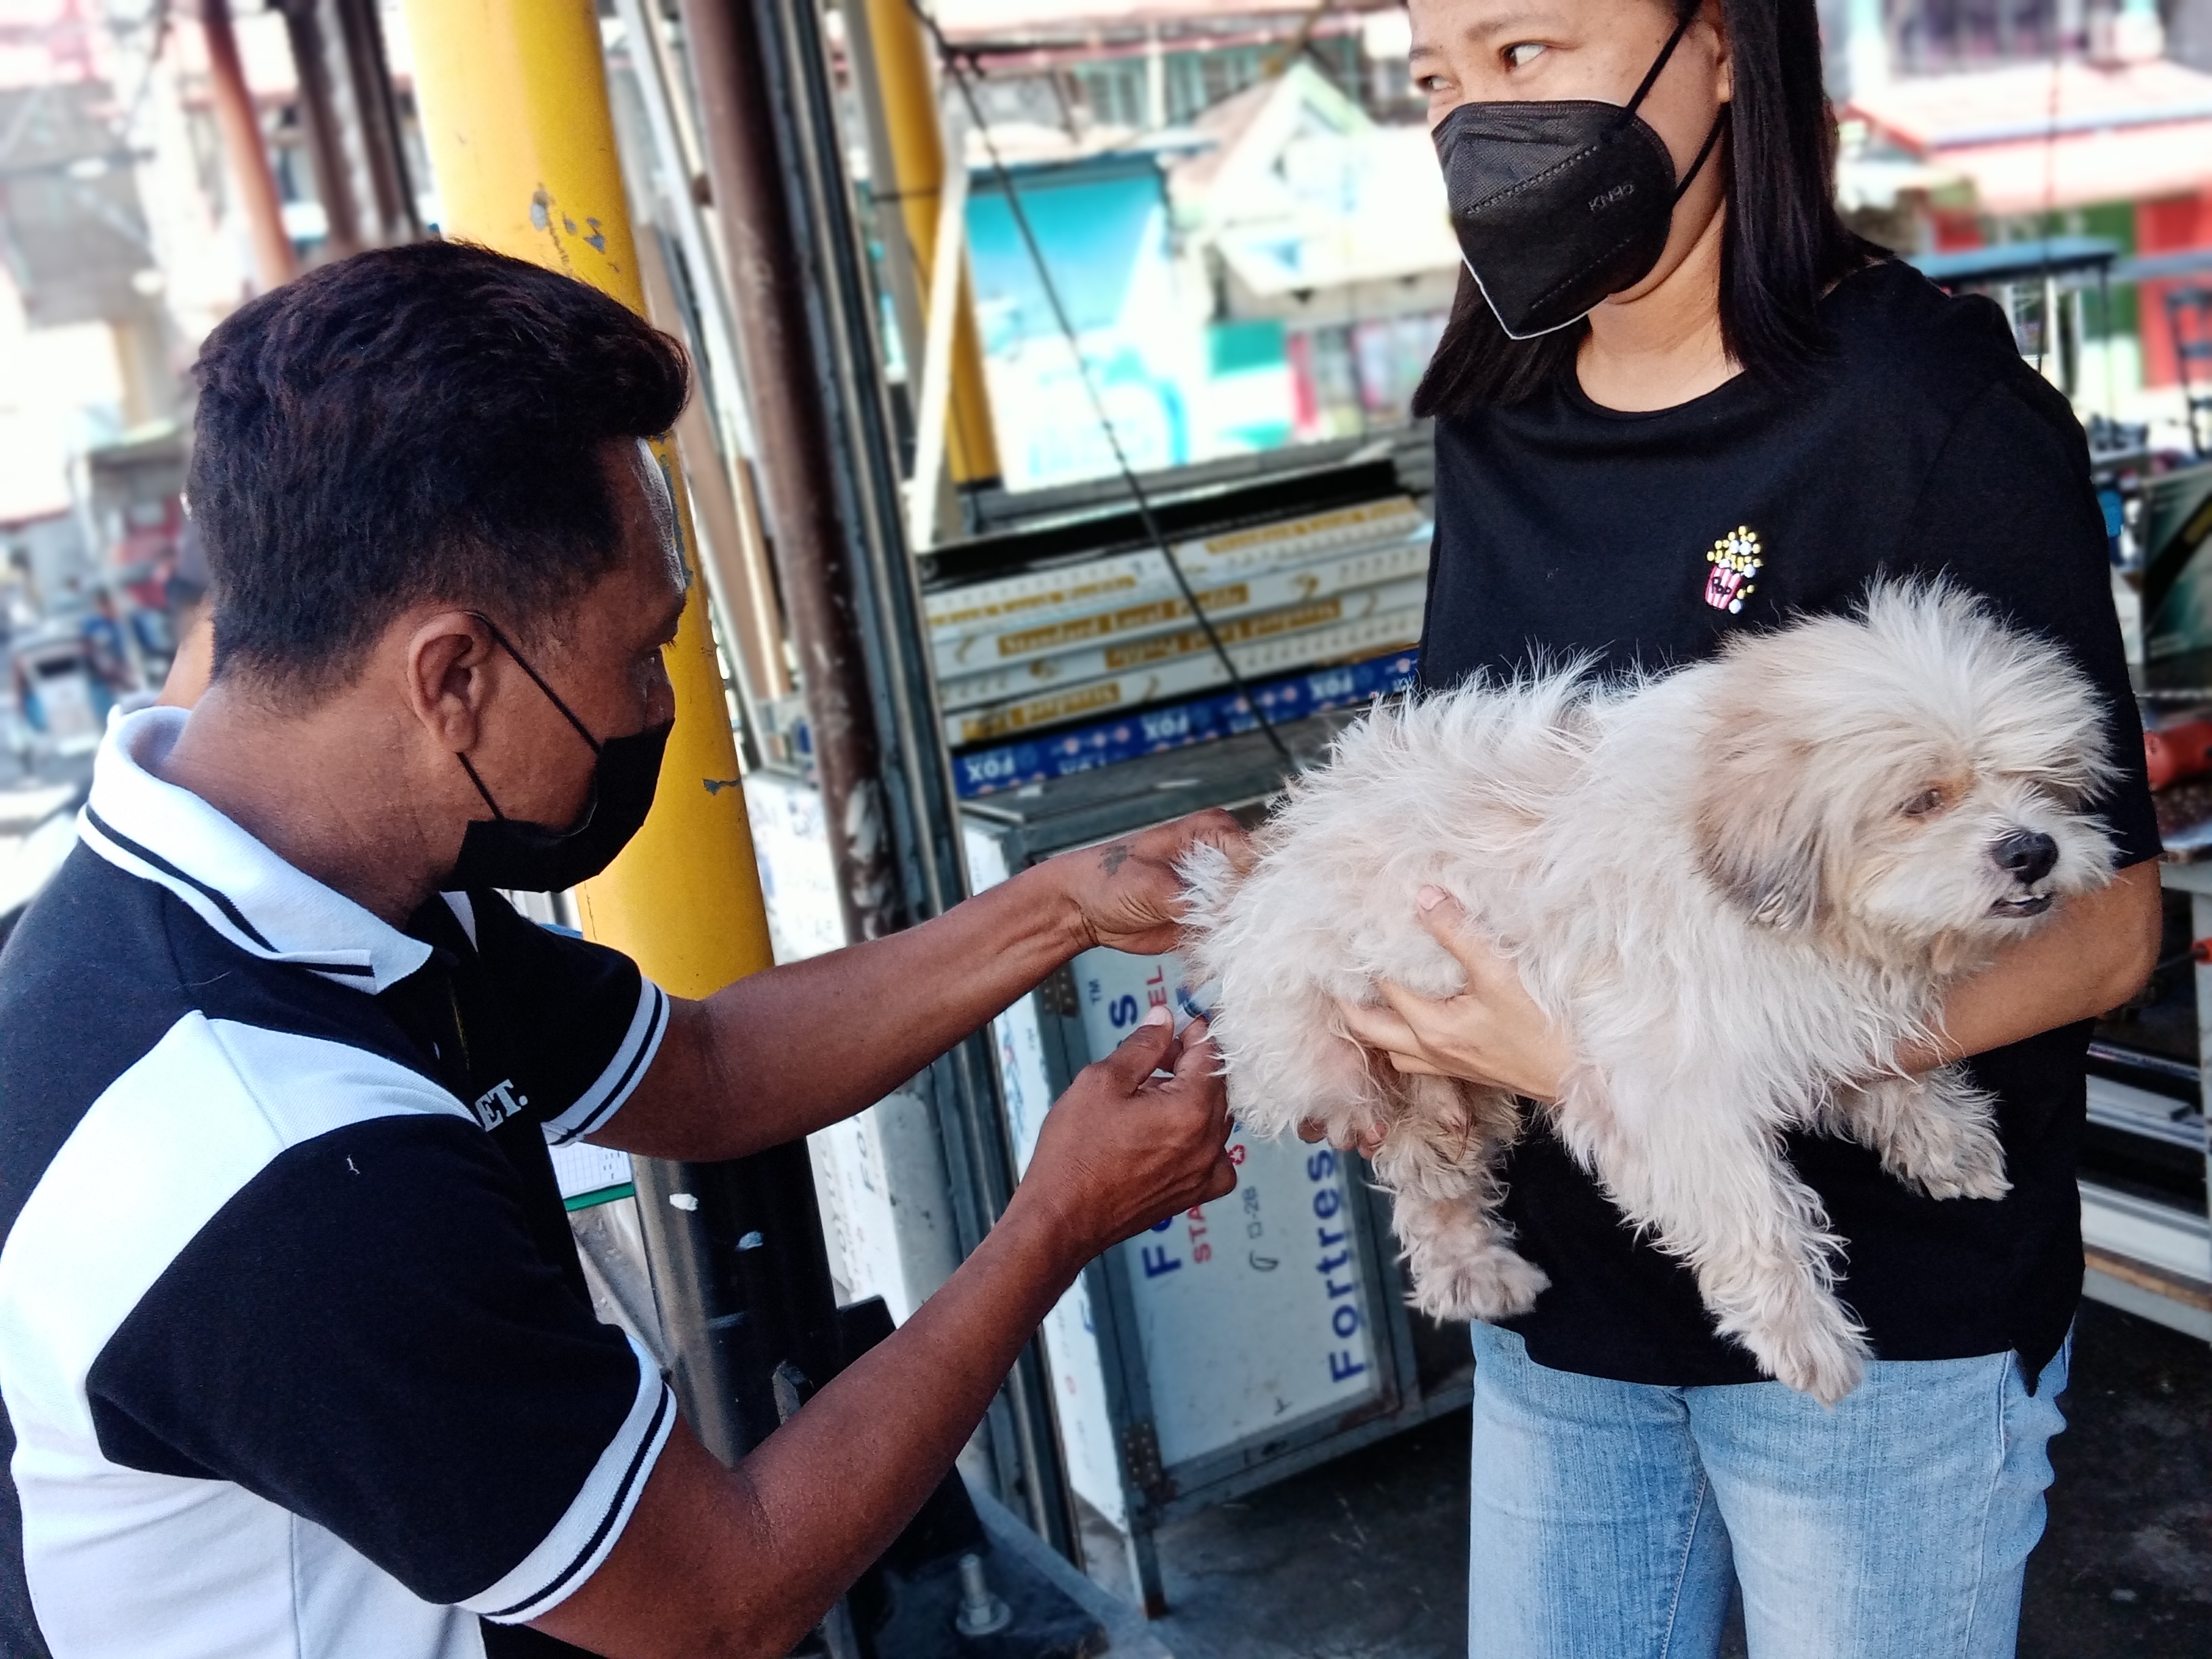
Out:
{"x": 296, "y": 1355}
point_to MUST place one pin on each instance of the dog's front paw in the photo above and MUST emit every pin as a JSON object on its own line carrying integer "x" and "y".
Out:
{"x": 1952, "y": 1153}
{"x": 1490, "y": 1283}
{"x": 1975, "y": 1169}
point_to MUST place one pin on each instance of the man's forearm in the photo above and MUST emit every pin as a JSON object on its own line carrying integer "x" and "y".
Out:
{"x": 723, "y": 1563}
{"x": 760, "y": 1550}
{"x": 2092, "y": 957}
{"x": 783, "y": 1051}
{"x": 872, "y": 1442}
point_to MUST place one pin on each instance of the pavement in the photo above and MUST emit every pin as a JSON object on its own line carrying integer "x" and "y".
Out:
{"x": 39, "y": 797}
{"x": 2126, "y": 1566}
{"x": 1364, "y": 1558}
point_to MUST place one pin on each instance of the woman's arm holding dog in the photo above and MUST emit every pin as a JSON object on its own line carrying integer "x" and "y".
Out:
{"x": 2094, "y": 954}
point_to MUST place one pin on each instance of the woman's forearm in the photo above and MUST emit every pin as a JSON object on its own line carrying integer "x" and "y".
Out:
{"x": 2095, "y": 954}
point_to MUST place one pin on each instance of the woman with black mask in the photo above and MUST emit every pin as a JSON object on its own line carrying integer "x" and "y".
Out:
{"x": 1677, "y": 398}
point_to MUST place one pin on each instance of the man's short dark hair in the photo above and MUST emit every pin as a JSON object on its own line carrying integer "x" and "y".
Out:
{"x": 425, "y": 422}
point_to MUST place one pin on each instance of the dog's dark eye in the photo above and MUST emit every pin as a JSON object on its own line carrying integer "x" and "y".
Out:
{"x": 1927, "y": 801}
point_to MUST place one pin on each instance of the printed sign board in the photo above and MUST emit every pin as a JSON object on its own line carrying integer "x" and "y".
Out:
{"x": 590, "y": 1174}
{"x": 1251, "y": 1310}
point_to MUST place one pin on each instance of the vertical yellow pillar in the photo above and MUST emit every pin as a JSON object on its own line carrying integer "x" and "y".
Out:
{"x": 917, "y": 144}
{"x": 514, "y": 110}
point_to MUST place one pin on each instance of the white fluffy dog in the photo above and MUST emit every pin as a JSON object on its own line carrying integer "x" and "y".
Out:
{"x": 1737, "y": 889}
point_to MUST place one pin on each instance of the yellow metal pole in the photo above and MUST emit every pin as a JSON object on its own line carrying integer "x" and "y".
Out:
{"x": 514, "y": 98}
{"x": 917, "y": 145}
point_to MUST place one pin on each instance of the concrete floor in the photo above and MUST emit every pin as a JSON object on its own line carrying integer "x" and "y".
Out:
{"x": 2126, "y": 1567}
{"x": 1364, "y": 1559}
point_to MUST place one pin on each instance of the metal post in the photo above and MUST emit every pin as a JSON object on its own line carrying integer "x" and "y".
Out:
{"x": 515, "y": 109}
{"x": 319, "y": 124}
{"x": 792, "y": 428}
{"x": 389, "y": 202}
{"x": 274, "y": 262}
{"x": 351, "y": 118}
{"x": 890, "y": 45}
{"x": 775, "y": 160}
{"x": 736, "y": 552}
{"x": 715, "y": 424}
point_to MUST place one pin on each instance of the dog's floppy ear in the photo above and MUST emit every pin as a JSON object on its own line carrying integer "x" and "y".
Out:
{"x": 1760, "y": 834}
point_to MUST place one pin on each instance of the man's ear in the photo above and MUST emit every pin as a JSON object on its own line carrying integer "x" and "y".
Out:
{"x": 448, "y": 653}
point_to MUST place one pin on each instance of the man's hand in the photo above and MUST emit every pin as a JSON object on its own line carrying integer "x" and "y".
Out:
{"x": 1491, "y": 1033}
{"x": 1126, "y": 893}
{"x": 1122, "y": 1148}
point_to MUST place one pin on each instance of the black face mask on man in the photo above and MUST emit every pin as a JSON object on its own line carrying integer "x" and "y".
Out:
{"x": 1558, "y": 204}
{"x": 532, "y": 858}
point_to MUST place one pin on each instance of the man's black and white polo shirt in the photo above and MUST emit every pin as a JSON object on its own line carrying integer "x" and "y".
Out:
{"x": 297, "y": 1358}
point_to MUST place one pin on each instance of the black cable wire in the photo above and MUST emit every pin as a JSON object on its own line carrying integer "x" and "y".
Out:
{"x": 1130, "y": 479}
{"x": 2198, "y": 952}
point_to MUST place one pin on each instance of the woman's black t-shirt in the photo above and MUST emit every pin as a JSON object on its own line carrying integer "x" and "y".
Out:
{"x": 1923, "y": 444}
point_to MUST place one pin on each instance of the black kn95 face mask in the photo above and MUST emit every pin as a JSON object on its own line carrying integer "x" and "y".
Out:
{"x": 1558, "y": 204}
{"x": 535, "y": 858}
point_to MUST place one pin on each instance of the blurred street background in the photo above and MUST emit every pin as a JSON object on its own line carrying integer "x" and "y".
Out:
{"x": 1204, "y": 243}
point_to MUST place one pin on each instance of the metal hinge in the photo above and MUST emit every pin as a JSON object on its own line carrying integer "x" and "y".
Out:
{"x": 1140, "y": 1456}
{"x": 1057, "y": 994}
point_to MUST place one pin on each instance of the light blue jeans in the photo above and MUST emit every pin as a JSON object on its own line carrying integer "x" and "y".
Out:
{"x": 1610, "y": 1518}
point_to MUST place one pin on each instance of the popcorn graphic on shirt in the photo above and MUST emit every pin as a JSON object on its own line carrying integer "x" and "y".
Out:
{"x": 1735, "y": 560}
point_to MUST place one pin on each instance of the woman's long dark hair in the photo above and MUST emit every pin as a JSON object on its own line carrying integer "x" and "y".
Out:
{"x": 1781, "y": 245}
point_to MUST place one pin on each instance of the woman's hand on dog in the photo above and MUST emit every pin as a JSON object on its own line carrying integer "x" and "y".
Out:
{"x": 1127, "y": 894}
{"x": 1124, "y": 1147}
{"x": 1491, "y": 1033}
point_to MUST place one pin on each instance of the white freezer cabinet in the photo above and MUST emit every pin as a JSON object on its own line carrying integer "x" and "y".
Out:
{"x": 1244, "y": 1340}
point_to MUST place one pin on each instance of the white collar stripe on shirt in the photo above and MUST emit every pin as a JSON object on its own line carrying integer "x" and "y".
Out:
{"x": 142, "y": 824}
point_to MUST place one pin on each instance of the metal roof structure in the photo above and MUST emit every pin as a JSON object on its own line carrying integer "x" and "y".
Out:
{"x": 965, "y": 19}
{"x": 2037, "y": 136}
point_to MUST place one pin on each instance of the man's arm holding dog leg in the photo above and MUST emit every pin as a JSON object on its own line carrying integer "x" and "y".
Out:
{"x": 719, "y": 1562}
{"x": 785, "y": 1051}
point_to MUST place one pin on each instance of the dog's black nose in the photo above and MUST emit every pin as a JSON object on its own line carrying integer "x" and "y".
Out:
{"x": 2027, "y": 855}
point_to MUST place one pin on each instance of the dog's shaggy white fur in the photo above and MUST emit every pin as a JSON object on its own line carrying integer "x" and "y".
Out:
{"x": 1737, "y": 889}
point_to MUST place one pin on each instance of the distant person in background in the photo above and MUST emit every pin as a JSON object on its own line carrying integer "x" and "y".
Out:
{"x": 191, "y": 622}
{"x": 105, "y": 653}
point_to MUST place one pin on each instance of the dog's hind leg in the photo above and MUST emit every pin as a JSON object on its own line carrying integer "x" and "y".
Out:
{"x": 1440, "y": 1164}
{"x": 1712, "y": 1186}
{"x": 1936, "y": 1131}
